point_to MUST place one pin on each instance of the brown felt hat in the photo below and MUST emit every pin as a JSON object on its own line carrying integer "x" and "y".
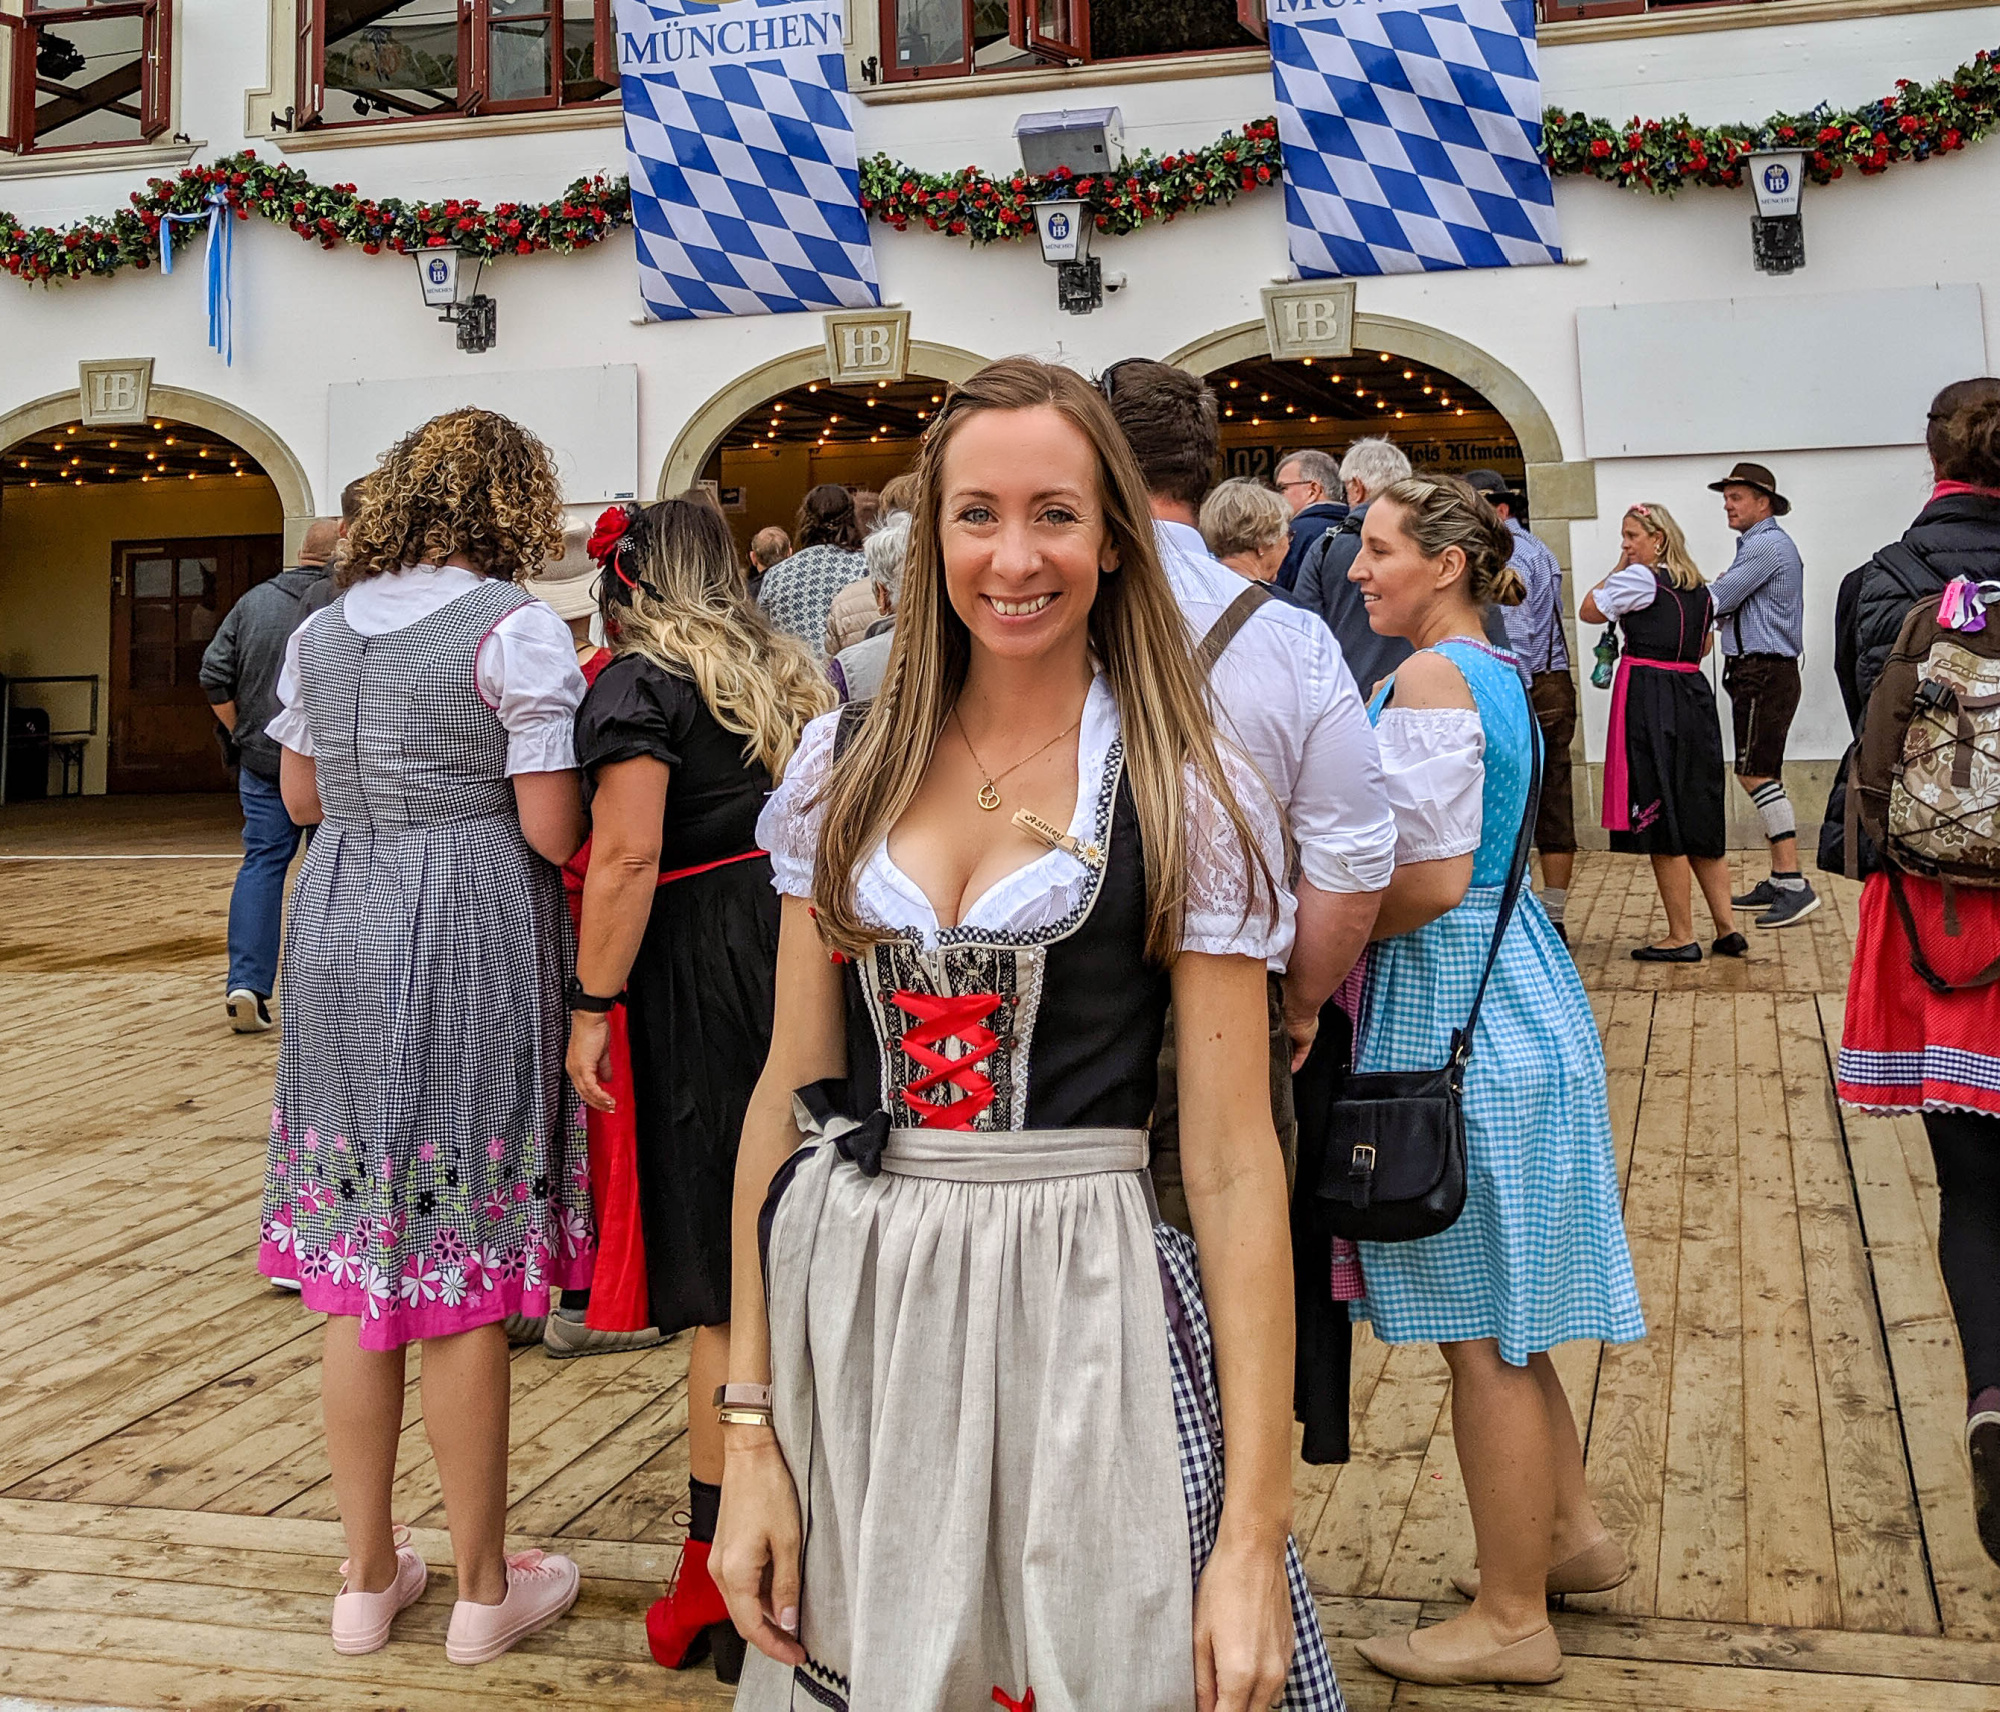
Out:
{"x": 1757, "y": 476}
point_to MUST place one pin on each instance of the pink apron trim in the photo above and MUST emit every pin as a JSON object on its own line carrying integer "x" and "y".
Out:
{"x": 1617, "y": 785}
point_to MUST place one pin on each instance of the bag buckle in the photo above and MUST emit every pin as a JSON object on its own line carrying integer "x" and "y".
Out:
{"x": 1361, "y": 1174}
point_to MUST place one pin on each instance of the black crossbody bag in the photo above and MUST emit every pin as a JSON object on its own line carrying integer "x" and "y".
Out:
{"x": 1394, "y": 1167}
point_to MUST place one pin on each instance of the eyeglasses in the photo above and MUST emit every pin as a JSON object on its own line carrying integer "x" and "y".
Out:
{"x": 1296, "y": 481}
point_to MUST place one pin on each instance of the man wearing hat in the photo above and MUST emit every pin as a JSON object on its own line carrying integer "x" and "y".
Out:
{"x": 1534, "y": 631}
{"x": 1760, "y": 602}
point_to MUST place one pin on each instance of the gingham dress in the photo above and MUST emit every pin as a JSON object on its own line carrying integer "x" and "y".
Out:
{"x": 1538, "y": 1257}
{"x": 426, "y": 1171}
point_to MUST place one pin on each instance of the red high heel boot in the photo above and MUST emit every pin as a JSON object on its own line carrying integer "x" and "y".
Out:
{"x": 692, "y": 1622}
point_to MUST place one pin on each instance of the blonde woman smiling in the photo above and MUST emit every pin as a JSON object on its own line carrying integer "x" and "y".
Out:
{"x": 988, "y": 1465}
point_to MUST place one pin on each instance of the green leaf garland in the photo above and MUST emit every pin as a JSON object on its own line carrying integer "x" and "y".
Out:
{"x": 1659, "y": 156}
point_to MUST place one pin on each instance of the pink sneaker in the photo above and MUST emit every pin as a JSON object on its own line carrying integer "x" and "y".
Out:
{"x": 361, "y": 1620}
{"x": 540, "y": 1588}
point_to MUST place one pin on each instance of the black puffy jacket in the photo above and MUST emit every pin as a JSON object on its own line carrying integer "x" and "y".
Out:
{"x": 1957, "y": 536}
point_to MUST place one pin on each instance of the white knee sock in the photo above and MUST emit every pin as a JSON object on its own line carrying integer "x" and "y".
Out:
{"x": 1774, "y": 809}
{"x": 1554, "y": 898}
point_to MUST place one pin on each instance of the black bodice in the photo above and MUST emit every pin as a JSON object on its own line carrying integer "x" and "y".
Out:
{"x": 1055, "y": 1029}
{"x": 1675, "y": 627}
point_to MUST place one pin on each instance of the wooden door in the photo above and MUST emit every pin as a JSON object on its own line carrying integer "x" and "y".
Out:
{"x": 168, "y": 599}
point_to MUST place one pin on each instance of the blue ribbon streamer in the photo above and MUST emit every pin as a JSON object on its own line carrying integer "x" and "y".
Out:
{"x": 221, "y": 251}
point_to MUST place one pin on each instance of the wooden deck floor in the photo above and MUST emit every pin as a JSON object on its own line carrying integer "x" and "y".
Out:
{"x": 1783, "y": 1452}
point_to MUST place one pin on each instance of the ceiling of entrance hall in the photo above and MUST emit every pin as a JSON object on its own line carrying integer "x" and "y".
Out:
{"x": 821, "y": 413}
{"x": 155, "y": 450}
{"x": 1367, "y": 387}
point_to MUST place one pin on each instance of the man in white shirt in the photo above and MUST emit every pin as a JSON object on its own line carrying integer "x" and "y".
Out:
{"x": 1283, "y": 693}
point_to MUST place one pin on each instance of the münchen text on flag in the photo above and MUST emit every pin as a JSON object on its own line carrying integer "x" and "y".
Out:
{"x": 1413, "y": 135}
{"x": 746, "y": 186}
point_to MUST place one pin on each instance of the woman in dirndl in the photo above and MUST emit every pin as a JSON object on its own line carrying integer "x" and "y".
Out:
{"x": 1663, "y": 772}
{"x": 427, "y": 1176}
{"x": 680, "y": 738}
{"x": 1905, "y": 1045}
{"x": 978, "y": 1393}
{"x": 1538, "y": 1256}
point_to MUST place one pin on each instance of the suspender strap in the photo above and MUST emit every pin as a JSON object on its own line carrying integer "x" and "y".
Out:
{"x": 1223, "y": 631}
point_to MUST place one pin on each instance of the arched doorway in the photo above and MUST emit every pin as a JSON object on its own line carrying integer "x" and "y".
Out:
{"x": 122, "y": 548}
{"x": 768, "y": 437}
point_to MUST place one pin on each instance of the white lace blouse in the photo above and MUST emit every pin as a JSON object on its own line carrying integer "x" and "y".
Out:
{"x": 1041, "y": 893}
{"x": 1433, "y": 760}
{"x": 525, "y": 668}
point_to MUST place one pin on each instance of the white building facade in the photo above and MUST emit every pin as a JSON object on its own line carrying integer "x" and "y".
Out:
{"x": 1640, "y": 370}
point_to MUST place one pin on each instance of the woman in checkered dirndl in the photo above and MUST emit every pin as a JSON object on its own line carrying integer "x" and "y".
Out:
{"x": 975, "y": 1421}
{"x": 427, "y": 1177}
{"x": 1538, "y": 1255}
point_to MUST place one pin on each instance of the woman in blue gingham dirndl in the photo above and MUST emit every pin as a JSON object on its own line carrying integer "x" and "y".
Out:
{"x": 1538, "y": 1257}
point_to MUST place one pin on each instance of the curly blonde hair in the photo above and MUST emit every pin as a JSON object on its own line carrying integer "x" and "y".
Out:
{"x": 468, "y": 483}
{"x": 672, "y": 591}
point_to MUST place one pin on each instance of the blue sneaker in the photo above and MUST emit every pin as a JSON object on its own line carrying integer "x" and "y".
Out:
{"x": 1793, "y": 906}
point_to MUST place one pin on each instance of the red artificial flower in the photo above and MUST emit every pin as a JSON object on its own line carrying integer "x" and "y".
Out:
{"x": 609, "y": 531}
{"x": 1909, "y": 124}
{"x": 1953, "y": 140}
{"x": 1599, "y": 149}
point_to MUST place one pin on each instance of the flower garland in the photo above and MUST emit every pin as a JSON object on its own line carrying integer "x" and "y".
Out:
{"x": 1659, "y": 156}
{"x": 1665, "y": 155}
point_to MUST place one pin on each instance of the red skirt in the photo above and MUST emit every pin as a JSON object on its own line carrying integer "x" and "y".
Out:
{"x": 618, "y": 1294}
{"x": 1905, "y": 1048}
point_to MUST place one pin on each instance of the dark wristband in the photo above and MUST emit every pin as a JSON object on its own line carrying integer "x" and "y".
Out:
{"x": 576, "y": 999}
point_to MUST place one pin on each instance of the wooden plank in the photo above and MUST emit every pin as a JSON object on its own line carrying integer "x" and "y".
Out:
{"x": 1702, "y": 1545}
{"x": 1792, "y": 1574}
{"x": 1625, "y": 1459}
{"x": 1877, "y": 1536}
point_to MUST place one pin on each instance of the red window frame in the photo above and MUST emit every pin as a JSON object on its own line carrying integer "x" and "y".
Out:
{"x": 154, "y": 94}
{"x": 476, "y": 23}
{"x": 1033, "y": 31}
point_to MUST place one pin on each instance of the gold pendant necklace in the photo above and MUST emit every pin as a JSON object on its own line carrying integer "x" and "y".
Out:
{"x": 989, "y": 792}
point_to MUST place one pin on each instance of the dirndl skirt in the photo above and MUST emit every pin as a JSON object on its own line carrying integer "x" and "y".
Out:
{"x": 988, "y": 1364}
{"x": 1538, "y": 1257}
{"x": 1904, "y": 1048}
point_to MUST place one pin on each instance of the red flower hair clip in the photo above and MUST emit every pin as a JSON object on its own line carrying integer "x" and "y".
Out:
{"x": 610, "y": 529}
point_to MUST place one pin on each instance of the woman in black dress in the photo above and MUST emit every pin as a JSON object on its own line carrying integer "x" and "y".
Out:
{"x": 1663, "y": 774}
{"x": 682, "y": 737}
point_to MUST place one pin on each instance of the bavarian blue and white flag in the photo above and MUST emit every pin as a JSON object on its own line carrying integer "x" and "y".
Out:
{"x": 1413, "y": 135}
{"x": 746, "y": 184}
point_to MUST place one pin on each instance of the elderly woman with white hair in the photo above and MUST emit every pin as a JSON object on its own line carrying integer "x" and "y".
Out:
{"x": 1248, "y": 527}
{"x": 857, "y": 670}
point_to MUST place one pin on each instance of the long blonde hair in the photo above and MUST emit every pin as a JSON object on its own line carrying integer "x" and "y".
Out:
{"x": 1136, "y": 632}
{"x": 673, "y": 591}
{"x": 1675, "y": 559}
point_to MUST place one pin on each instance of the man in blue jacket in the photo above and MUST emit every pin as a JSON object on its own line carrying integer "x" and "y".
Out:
{"x": 1310, "y": 483}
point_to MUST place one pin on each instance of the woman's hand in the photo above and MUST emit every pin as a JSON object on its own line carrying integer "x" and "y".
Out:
{"x": 755, "y": 1559}
{"x": 1243, "y": 1632}
{"x": 589, "y": 1060}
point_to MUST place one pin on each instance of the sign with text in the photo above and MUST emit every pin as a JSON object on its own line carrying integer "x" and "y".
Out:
{"x": 746, "y": 183}
{"x": 115, "y": 390}
{"x": 1413, "y": 135}
{"x": 1315, "y": 320}
{"x": 864, "y": 345}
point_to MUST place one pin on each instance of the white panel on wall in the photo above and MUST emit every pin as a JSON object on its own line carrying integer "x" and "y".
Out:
{"x": 1765, "y": 374}
{"x": 589, "y": 418}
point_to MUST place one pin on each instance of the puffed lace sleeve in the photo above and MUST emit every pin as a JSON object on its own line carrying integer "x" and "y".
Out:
{"x": 1229, "y": 908}
{"x": 1433, "y": 761}
{"x": 1630, "y": 588}
{"x": 789, "y": 826}
{"x": 527, "y": 671}
{"x": 288, "y": 725}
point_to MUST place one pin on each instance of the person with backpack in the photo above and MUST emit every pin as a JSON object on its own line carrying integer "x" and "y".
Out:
{"x": 1923, "y": 1000}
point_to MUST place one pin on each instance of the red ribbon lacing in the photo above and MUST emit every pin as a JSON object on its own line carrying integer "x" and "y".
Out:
{"x": 1025, "y": 1704}
{"x": 961, "y": 1017}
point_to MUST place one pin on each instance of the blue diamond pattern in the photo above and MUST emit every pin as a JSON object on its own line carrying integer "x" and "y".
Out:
{"x": 1412, "y": 134}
